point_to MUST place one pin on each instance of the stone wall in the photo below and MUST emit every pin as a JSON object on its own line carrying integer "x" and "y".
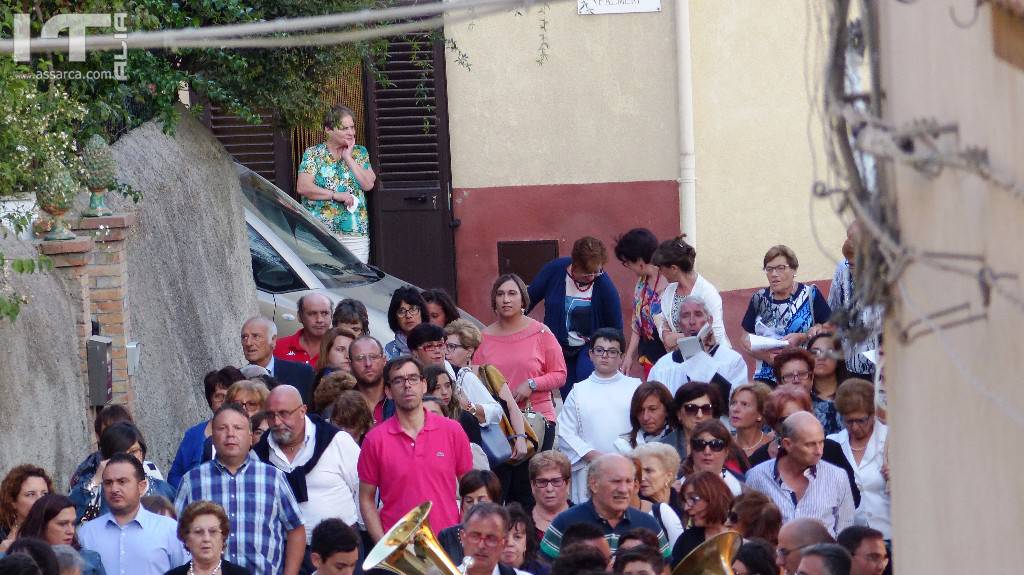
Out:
{"x": 172, "y": 273}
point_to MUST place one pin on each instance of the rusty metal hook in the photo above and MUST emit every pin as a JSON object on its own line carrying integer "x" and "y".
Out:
{"x": 974, "y": 17}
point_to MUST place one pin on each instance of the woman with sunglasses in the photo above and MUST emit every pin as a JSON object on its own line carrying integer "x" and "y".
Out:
{"x": 710, "y": 448}
{"x": 579, "y": 298}
{"x": 675, "y": 259}
{"x": 706, "y": 501}
{"x": 694, "y": 402}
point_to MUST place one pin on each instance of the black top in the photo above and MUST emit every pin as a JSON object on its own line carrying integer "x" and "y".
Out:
{"x": 452, "y": 545}
{"x": 832, "y": 453}
{"x": 226, "y": 568}
{"x": 471, "y": 426}
{"x": 687, "y": 541}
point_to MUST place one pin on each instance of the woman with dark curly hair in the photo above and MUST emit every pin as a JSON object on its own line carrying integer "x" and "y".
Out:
{"x": 22, "y": 486}
{"x": 52, "y": 519}
{"x": 407, "y": 310}
{"x": 522, "y": 545}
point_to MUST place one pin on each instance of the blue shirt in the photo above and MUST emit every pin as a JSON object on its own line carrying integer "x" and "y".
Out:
{"x": 586, "y": 513}
{"x": 189, "y": 455}
{"x": 146, "y": 545}
{"x": 260, "y": 506}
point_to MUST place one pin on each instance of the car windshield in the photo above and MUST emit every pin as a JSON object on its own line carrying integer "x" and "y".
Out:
{"x": 322, "y": 253}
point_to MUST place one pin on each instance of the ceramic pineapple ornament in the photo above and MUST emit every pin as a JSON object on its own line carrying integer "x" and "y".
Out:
{"x": 99, "y": 170}
{"x": 55, "y": 197}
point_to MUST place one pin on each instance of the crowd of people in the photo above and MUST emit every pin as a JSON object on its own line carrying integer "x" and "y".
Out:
{"x": 539, "y": 449}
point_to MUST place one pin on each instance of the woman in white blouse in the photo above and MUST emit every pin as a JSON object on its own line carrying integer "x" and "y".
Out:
{"x": 675, "y": 259}
{"x": 863, "y": 443}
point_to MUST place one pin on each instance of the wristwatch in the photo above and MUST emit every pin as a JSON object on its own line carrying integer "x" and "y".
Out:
{"x": 532, "y": 383}
{"x": 472, "y": 408}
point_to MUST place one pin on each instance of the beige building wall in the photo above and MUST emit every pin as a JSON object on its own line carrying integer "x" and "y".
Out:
{"x": 956, "y": 403}
{"x": 756, "y": 69}
{"x": 601, "y": 108}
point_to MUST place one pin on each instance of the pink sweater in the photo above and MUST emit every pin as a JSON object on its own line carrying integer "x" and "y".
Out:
{"x": 532, "y": 352}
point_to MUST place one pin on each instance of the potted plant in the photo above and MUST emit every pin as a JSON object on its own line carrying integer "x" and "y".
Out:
{"x": 55, "y": 196}
{"x": 99, "y": 172}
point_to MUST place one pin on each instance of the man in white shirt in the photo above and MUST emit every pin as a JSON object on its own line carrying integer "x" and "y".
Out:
{"x": 596, "y": 411}
{"x": 712, "y": 363}
{"x": 318, "y": 459}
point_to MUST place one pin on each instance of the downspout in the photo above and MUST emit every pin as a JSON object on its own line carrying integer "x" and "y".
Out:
{"x": 687, "y": 152}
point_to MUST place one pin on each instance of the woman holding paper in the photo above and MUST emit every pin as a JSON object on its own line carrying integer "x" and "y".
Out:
{"x": 333, "y": 177}
{"x": 675, "y": 259}
{"x": 785, "y": 311}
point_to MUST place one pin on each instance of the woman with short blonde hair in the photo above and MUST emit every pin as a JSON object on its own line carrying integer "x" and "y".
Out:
{"x": 250, "y": 394}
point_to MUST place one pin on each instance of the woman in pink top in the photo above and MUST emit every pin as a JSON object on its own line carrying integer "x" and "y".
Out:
{"x": 526, "y": 352}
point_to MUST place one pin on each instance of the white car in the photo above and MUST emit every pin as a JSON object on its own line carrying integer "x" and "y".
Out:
{"x": 293, "y": 254}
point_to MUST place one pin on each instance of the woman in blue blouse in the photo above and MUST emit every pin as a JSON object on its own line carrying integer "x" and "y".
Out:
{"x": 579, "y": 298}
{"x": 196, "y": 439}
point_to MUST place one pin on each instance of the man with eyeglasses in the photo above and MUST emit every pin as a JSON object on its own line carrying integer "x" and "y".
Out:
{"x": 611, "y": 478}
{"x": 867, "y": 549}
{"x": 799, "y": 482}
{"x": 267, "y": 535}
{"x": 318, "y": 459}
{"x": 796, "y": 536}
{"x": 484, "y": 534}
{"x": 596, "y": 411}
{"x": 713, "y": 363}
{"x": 259, "y": 336}
{"x": 413, "y": 457}
{"x": 367, "y": 356}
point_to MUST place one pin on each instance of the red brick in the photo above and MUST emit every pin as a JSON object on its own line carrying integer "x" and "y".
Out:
{"x": 114, "y": 222}
{"x": 77, "y": 245}
{"x": 71, "y": 260}
{"x": 108, "y": 270}
{"x": 102, "y": 306}
{"x": 110, "y": 294}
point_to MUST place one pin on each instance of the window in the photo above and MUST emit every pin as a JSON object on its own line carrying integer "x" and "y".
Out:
{"x": 269, "y": 269}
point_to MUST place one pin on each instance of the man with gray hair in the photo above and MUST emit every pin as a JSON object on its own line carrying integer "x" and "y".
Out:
{"x": 824, "y": 559}
{"x": 610, "y": 479}
{"x": 799, "y": 482}
{"x": 708, "y": 361}
{"x": 259, "y": 336}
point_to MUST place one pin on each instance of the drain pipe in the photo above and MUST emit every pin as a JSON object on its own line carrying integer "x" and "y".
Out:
{"x": 687, "y": 151}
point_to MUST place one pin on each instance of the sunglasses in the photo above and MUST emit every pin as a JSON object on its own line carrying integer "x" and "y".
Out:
{"x": 694, "y": 409}
{"x": 716, "y": 445}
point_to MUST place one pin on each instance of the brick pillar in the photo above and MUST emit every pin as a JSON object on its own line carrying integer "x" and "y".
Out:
{"x": 71, "y": 259}
{"x": 107, "y": 278}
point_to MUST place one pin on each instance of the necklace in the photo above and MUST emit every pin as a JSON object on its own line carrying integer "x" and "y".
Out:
{"x": 755, "y": 444}
{"x": 192, "y": 565}
{"x": 852, "y": 448}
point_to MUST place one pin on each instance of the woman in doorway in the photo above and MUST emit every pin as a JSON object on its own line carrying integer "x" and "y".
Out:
{"x": 333, "y": 179}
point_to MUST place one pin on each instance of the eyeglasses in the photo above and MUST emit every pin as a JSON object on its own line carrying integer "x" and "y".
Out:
{"x": 795, "y": 376}
{"x": 250, "y": 404}
{"x": 779, "y": 268}
{"x": 693, "y": 499}
{"x": 602, "y": 352}
{"x": 860, "y": 421}
{"x": 432, "y": 346}
{"x": 876, "y": 558}
{"x": 283, "y": 414}
{"x": 694, "y": 409}
{"x": 367, "y": 356}
{"x": 555, "y": 482}
{"x": 137, "y": 453}
{"x": 407, "y": 311}
{"x": 451, "y": 347}
{"x": 199, "y": 532}
{"x": 405, "y": 380}
{"x": 488, "y": 540}
{"x": 823, "y": 353}
{"x": 716, "y": 445}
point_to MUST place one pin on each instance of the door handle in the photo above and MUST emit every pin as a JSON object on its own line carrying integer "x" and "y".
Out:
{"x": 288, "y": 316}
{"x": 422, "y": 198}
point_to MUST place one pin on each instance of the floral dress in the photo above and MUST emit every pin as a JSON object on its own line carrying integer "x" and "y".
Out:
{"x": 334, "y": 175}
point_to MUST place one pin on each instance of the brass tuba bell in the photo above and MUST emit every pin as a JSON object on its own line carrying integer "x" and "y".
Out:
{"x": 713, "y": 557}
{"x": 410, "y": 548}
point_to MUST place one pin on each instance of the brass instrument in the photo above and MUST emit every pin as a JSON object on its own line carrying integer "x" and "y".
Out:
{"x": 410, "y": 548}
{"x": 713, "y": 557}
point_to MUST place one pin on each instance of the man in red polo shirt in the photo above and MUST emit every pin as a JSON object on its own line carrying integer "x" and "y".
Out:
{"x": 413, "y": 457}
{"x": 303, "y": 346}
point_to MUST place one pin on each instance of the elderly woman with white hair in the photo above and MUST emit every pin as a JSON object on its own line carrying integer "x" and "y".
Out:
{"x": 660, "y": 465}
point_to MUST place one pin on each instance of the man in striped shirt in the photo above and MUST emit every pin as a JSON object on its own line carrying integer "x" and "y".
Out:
{"x": 799, "y": 482}
{"x": 267, "y": 533}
